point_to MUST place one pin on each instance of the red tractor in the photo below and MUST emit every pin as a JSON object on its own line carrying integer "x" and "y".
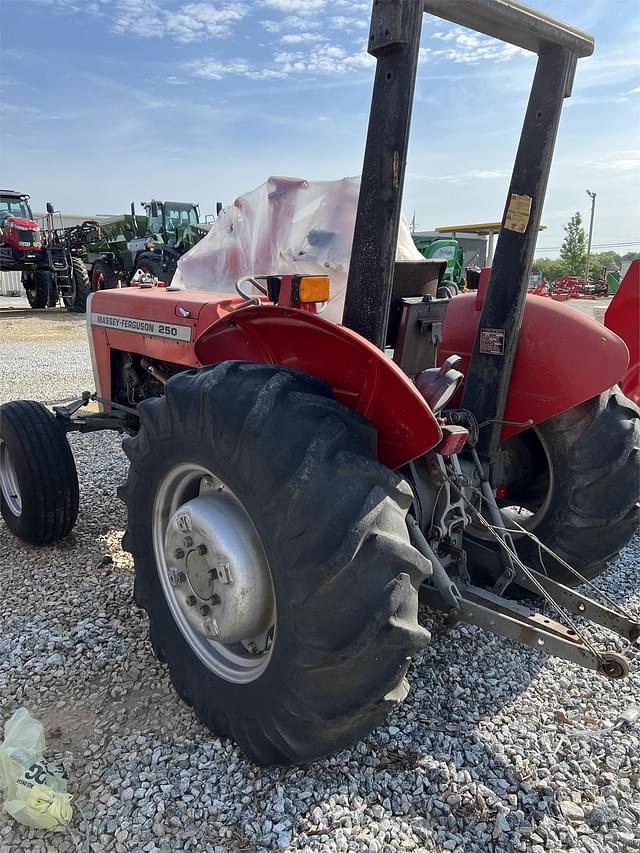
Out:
{"x": 43, "y": 254}
{"x": 292, "y": 489}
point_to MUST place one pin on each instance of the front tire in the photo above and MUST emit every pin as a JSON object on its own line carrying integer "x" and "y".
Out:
{"x": 103, "y": 276}
{"x": 578, "y": 479}
{"x": 76, "y": 300}
{"x": 38, "y": 287}
{"x": 330, "y": 521}
{"x": 38, "y": 480}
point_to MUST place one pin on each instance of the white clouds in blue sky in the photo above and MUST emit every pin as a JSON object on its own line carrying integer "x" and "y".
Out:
{"x": 103, "y": 101}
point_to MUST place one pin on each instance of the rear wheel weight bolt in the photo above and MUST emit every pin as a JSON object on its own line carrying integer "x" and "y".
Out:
{"x": 205, "y": 610}
{"x": 215, "y": 599}
{"x": 178, "y": 554}
{"x": 202, "y": 550}
{"x": 191, "y": 600}
{"x": 187, "y": 541}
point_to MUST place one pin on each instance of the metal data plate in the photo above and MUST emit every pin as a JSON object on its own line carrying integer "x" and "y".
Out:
{"x": 419, "y": 334}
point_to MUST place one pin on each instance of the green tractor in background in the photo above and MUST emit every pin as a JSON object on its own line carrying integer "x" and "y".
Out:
{"x": 449, "y": 250}
{"x": 152, "y": 242}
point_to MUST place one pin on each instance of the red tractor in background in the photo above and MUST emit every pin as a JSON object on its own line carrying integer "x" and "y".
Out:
{"x": 44, "y": 254}
{"x": 293, "y": 488}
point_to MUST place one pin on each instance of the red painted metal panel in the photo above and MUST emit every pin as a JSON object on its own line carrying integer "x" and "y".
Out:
{"x": 361, "y": 376}
{"x": 563, "y": 357}
{"x": 623, "y": 318}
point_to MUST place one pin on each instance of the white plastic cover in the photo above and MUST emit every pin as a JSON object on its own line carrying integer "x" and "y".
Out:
{"x": 285, "y": 226}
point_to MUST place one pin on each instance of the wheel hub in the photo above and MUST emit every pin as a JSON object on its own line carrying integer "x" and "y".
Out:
{"x": 214, "y": 573}
{"x": 217, "y": 570}
{"x": 199, "y": 574}
{"x": 9, "y": 481}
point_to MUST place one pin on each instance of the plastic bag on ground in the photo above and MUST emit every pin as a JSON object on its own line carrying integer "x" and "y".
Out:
{"x": 285, "y": 226}
{"x": 34, "y": 790}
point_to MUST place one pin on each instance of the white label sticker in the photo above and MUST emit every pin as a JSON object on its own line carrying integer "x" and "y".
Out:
{"x": 173, "y": 331}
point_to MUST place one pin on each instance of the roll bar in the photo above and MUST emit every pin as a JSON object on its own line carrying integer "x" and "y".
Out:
{"x": 394, "y": 40}
{"x": 514, "y": 23}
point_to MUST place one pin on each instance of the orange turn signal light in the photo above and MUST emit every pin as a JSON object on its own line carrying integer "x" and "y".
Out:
{"x": 312, "y": 288}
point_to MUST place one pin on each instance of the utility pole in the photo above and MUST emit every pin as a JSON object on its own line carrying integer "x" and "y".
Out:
{"x": 592, "y": 196}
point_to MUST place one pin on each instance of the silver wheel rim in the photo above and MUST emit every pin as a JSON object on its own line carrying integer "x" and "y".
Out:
{"x": 214, "y": 573}
{"x": 9, "y": 481}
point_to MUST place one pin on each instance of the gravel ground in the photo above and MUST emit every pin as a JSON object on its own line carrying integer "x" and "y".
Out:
{"x": 479, "y": 757}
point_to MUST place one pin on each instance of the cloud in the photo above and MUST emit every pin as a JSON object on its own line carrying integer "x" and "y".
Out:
{"x": 339, "y": 22}
{"x": 215, "y": 69}
{"x": 484, "y": 174}
{"x": 189, "y": 23}
{"x": 608, "y": 68}
{"x": 315, "y": 59}
{"x": 355, "y": 5}
{"x": 622, "y": 161}
{"x": 17, "y": 109}
{"x": 301, "y": 38}
{"x": 470, "y": 174}
{"x": 449, "y": 35}
{"x": 465, "y": 48}
{"x": 299, "y": 7}
{"x": 322, "y": 60}
{"x": 635, "y": 91}
{"x": 184, "y": 23}
{"x": 291, "y": 22}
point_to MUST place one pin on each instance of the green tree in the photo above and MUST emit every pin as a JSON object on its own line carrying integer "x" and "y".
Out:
{"x": 609, "y": 259}
{"x": 574, "y": 246}
{"x": 631, "y": 256}
{"x": 550, "y": 269}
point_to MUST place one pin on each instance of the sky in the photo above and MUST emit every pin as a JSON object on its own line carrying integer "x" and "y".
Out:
{"x": 107, "y": 101}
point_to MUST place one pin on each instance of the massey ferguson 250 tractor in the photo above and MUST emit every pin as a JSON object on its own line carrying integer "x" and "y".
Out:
{"x": 292, "y": 488}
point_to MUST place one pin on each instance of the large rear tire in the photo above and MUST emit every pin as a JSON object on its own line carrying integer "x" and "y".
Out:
{"x": 38, "y": 480}
{"x": 272, "y": 451}
{"x": 577, "y": 478}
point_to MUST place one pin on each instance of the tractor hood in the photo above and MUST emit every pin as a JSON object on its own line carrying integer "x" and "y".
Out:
{"x": 19, "y": 222}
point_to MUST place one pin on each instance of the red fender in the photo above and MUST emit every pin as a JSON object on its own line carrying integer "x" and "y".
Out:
{"x": 623, "y": 318}
{"x": 359, "y": 373}
{"x": 214, "y": 328}
{"x": 563, "y": 356}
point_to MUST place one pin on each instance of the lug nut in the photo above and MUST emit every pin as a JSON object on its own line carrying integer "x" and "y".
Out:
{"x": 187, "y": 541}
{"x": 178, "y": 554}
{"x": 215, "y": 599}
{"x": 191, "y": 600}
{"x": 202, "y": 550}
{"x": 205, "y": 610}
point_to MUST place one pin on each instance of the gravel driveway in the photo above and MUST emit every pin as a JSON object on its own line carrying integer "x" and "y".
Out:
{"x": 481, "y": 757}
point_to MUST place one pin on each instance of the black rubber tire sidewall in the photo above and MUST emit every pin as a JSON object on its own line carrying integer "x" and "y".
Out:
{"x": 77, "y": 303}
{"x": 284, "y": 716}
{"x": 109, "y": 278}
{"x": 594, "y": 450}
{"x": 38, "y": 294}
{"x": 45, "y": 470}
